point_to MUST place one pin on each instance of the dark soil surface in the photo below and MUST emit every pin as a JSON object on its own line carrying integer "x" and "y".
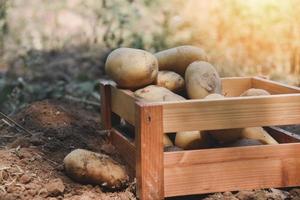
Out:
{"x": 31, "y": 164}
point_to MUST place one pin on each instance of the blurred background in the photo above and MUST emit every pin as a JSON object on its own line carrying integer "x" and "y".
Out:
{"x": 57, "y": 48}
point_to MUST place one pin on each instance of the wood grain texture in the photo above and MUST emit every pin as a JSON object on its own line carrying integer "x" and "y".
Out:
{"x": 237, "y": 112}
{"x": 123, "y": 104}
{"x": 105, "y": 105}
{"x": 125, "y": 147}
{"x": 231, "y": 169}
{"x": 149, "y": 154}
{"x": 235, "y": 86}
{"x": 273, "y": 87}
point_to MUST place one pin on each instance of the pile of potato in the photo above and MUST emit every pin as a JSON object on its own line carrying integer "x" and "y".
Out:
{"x": 174, "y": 75}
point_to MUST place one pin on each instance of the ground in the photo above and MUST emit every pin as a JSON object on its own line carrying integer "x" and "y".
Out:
{"x": 31, "y": 163}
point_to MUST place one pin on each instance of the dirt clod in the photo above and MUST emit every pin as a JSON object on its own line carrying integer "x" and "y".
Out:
{"x": 25, "y": 179}
{"x": 55, "y": 187}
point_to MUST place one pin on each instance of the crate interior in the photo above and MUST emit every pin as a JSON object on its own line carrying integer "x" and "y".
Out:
{"x": 232, "y": 87}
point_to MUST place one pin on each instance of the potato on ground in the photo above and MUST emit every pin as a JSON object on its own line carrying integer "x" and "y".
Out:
{"x": 94, "y": 168}
{"x": 177, "y": 59}
{"x": 201, "y": 79}
{"x": 170, "y": 80}
{"x": 131, "y": 68}
{"x": 254, "y": 92}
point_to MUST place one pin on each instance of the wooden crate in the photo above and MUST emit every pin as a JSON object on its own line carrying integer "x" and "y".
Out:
{"x": 162, "y": 174}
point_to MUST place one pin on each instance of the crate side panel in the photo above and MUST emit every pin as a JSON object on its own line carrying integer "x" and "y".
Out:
{"x": 235, "y": 86}
{"x": 273, "y": 87}
{"x": 124, "y": 147}
{"x": 123, "y": 105}
{"x": 232, "y": 176}
{"x": 196, "y": 174}
{"x": 232, "y": 113}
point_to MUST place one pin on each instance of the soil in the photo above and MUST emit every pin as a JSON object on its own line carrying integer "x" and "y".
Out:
{"x": 31, "y": 165}
{"x": 31, "y": 161}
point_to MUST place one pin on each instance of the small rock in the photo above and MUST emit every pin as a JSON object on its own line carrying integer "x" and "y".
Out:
{"x": 245, "y": 195}
{"x": 36, "y": 139}
{"x": 43, "y": 192}
{"x": 280, "y": 193}
{"x": 9, "y": 197}
{"x": 295, "y": 192}
{"x": 32, "y": 192}
{"x": 108, "y": 148}
{"x": 25, "y": 179}
{"x": 55, "y": 187}
{"x": 52, "y": 198}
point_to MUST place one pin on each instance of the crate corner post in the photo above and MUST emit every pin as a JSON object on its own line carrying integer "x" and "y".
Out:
{"x": 149, "y": 152}
{"x": 105, "y": 92}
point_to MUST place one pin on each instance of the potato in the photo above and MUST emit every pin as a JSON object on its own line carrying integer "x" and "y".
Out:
{"x": 191, "y": 140}
{"x": 154, "y": 93}
{"x": 170, "y": 80}
{"x": 258, "y": 133}
{"x": 177, "y": 59}
{"x": 254, "y": 92}
{"x": 201, "y": 79}
{"x": 131, "y": 68}
{"x": 88, "y": 167}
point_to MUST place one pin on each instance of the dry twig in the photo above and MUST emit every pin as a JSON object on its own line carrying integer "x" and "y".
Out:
{"x": 9, "y": 120}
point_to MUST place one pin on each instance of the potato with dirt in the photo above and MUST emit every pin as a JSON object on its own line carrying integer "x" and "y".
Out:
{"x": 94, "y": 168}
{"x": 202, "y": 79}
{"x": 177, "y": 59}
{"x": 170, "y": 80}
{"x": 131, "y": 68}
{"x": 154, "y": 93}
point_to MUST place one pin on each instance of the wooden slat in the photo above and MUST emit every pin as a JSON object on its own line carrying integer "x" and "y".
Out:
{"x": 235, "y": 86}
{"x": 149, "y": 154}
{"x": 125, "y": 147}
{"x": 236, "y": 112}
{"x": 282, "y": 136}
{"x": 122, "y": 104}
{"x": 105, "y": 105}
{"x": 231, "y": 169}
{"x": 273, "y": 87}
